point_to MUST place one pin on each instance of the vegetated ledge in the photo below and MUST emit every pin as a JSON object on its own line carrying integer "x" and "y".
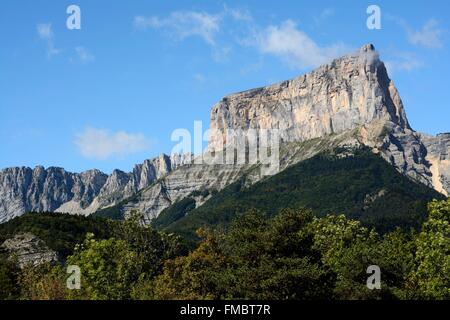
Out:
{"x": 362, "y": 185}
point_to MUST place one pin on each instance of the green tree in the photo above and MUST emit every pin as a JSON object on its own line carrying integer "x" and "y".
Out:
{"x": 123, "y": 267}
{"x": 9, "y": 272}
{"x": 151, "y": 247}
{"x": 432, "y": 276}
{"x": 395, "y": 256}
{"x": 347, "y": 249}
{"x": 108, "y": 269}
{"x": 196, "y": 276}
{"x": 257, "y": 258}
{"x": 273, "y": 258}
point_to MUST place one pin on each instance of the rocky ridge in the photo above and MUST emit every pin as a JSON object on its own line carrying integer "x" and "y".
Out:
{"x": 23, "y": 189}
{"x": 348, "y": 102}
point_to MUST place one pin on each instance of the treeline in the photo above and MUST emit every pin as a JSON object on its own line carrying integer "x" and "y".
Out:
{"x": 61, "y": 232}
{"x": 363, "y": 186}
{"x": 292, "y": 255}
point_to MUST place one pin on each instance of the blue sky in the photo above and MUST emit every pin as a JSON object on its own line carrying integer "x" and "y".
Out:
{"x": 110, "y": 94}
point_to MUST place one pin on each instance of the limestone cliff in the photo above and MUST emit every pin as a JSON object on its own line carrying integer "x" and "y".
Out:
{"x": 347, "y": 93}
{"x": 350, "y": 101}
{"x": 351, "y": 92}
{"x": 56, "y": 190}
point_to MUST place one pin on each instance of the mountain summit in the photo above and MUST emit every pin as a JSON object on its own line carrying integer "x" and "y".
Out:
{"x": 352, "y": 93}
{"x": 348, "y": 102}
{"x": 349, "y": 92}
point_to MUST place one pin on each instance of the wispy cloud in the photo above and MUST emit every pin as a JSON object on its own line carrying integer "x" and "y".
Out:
{"x": 238, "y": 14}
{"x": 184, "y": 24}
{"x": 102, "y": 144}
{"x": 45, "y": 33}
{"x": 323, "y": 16}
{"x": 429, "y": 36}
{"x": 295, "y": 47}
{"x": 84, "y": 56}
{"x": 285, "y": 41}
{"x": 402, "y": 61}
{"x": 221, "y": 53}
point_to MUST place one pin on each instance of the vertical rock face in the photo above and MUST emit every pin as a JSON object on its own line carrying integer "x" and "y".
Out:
{"x": 351, "y": 92}
{"x": 347, "y": 93}
{"x": 24, "y": 189}
{"x": 350, "y": 101}
{"x": 181, "y": 183}
{"x": 438, "y": 157}
{"x": 53, "y": 189}
{"x": 121, "y": 185}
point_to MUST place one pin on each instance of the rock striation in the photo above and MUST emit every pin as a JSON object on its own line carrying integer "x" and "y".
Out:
{"x": 351, "y": 92}
{"x": 349, "y": 102}
{"x": 347, "y": 93}
{"x": 53, "y": 189}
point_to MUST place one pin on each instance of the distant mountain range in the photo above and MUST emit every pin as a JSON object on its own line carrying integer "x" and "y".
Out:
{"x": 348, "y": 110}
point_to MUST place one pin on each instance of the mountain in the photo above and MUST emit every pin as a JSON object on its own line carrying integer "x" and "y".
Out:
{"x": 56, "y": 190}
{"x": 351, "y": 92}
{"x": 350, "y": 102}
{"x": 356, "y": 183}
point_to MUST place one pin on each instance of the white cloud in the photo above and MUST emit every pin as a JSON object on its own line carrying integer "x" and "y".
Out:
{"x": 285, "y": 41}
{"x": 238, "y": 14}
{"x": 184, "y": 24}
{"x": 45, "y": 32}
{"x": 429, "y": 36}
{"x": 295, "y": 47}
{"x": 102, "y": 144}
{"x": 403, "y": 61}
{"x": 84, "y": 55}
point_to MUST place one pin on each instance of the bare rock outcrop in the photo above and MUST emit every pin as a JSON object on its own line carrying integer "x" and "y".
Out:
{"x": 29, "y": 250}
{"x": 349, "y": 102}
{"x": 343, "y": 95}
{"x": 56, "y": 190}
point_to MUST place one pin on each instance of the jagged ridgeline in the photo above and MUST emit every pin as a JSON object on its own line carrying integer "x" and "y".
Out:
{"x": 346, "y": 147}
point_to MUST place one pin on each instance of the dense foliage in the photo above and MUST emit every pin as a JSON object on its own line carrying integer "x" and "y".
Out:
{"x": 61, "y": 232}
{"x": 290, "y": 255}
{"x": 9, "y": 273}
{"x": 432, "y": 275}
{"x": 174, "y": 212}
{"x": 363, "y": 186}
